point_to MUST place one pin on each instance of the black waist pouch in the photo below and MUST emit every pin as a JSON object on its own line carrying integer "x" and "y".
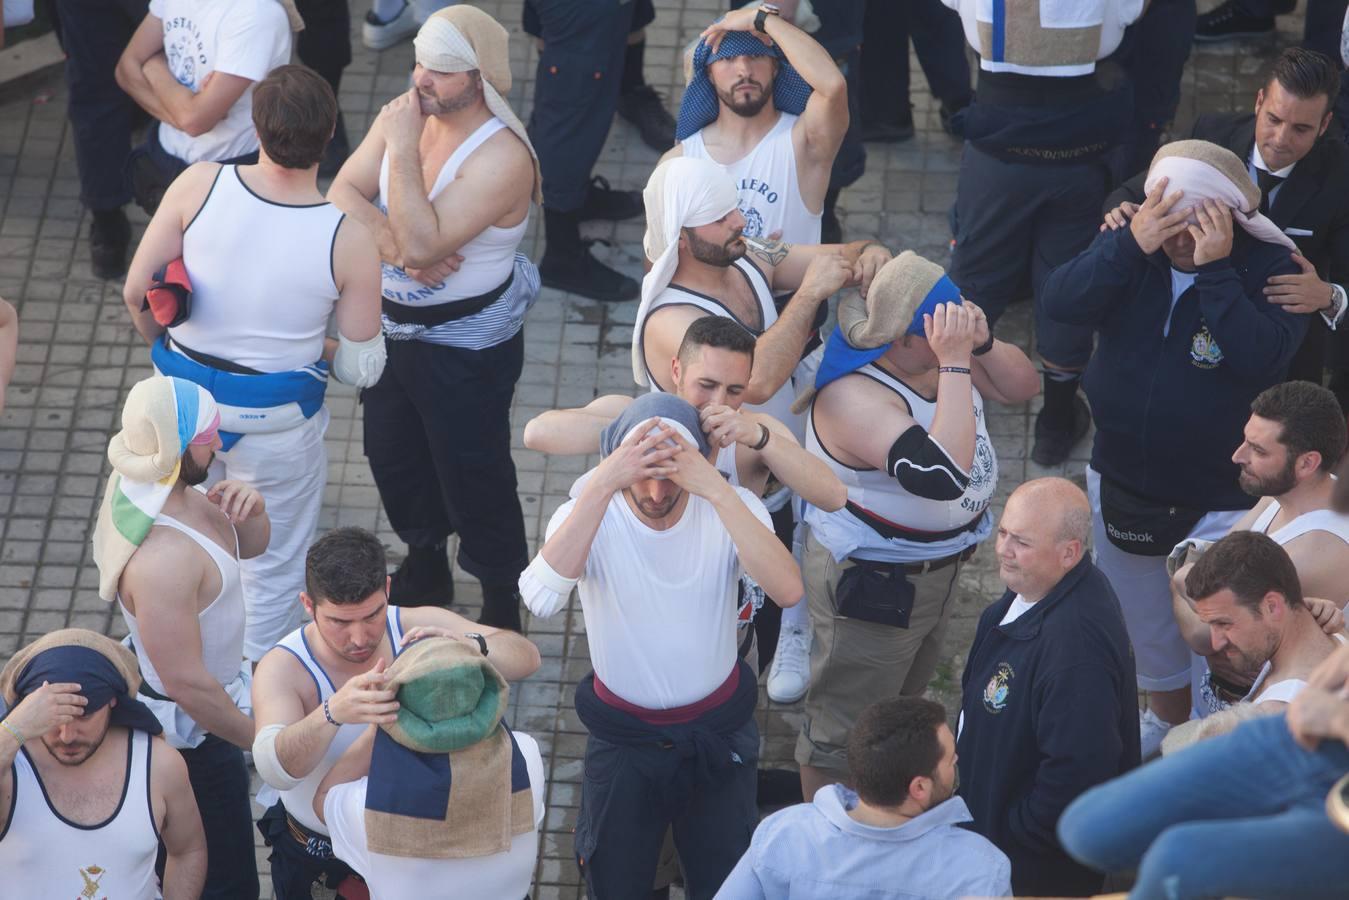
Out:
{"x": 1141, "y": 526}
{"x": 875, "y": 592}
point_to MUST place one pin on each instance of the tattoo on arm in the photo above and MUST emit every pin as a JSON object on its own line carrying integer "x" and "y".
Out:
{"x": 770, "y": 251}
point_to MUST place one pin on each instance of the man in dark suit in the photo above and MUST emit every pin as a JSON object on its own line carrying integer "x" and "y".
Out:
{"x": 1303, "y": 172}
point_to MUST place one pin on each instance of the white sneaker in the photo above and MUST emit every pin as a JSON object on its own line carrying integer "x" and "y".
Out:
{"x": 1151, "y": 731}
{"x": 378, "y": 35}
{"x": 789, "y": 676}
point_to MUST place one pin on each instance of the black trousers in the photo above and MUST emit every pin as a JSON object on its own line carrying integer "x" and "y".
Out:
{"x": 1324, "y": 18}
{"x": 939, "y": 41}
{"x": 325, "y": 43}
{"x": 575, "y": 90}
{"x": 1013, "y": 223}
{"x": 438, "y": 438}
{"x": 219, "y": 780}
{"x": 94, "y": 33}
{"x": 1153, "y": 54}
{"x": 296, "y": 868}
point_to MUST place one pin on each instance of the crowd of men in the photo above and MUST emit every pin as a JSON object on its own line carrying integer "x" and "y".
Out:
{"x": 792, "y": 497}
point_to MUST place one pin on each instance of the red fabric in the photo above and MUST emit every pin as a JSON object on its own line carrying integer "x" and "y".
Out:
{"x": 679, "y": 715}
{"x": 169, "y": 296}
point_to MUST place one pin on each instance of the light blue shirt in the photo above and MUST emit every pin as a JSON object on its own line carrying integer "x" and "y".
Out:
{"x": 816, "y": 851}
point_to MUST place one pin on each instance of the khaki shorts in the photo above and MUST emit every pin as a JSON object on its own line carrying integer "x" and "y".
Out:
{"x": 854, "y": 663}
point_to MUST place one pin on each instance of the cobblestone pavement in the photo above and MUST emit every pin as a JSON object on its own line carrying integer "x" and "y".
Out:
{"x": 78, "y": 356}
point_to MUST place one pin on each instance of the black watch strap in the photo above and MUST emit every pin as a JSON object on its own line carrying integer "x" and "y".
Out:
{"x": 482, "y": 641}
{"x": 761, "y": 18}
{"x": 984, "y": 347}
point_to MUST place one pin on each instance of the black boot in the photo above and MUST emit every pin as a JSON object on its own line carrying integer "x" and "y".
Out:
{"x": 501, "y": 605}
{"x": 109, "y": 236}
{"x": 1062, "y": 421}
{"x": 423, "y": 579}
{"x": 604, "y": 202}
{"x": 568, "y": 265}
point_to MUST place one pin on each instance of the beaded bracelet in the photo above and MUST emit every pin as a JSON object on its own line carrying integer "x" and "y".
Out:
{"x": 329, "y": 716}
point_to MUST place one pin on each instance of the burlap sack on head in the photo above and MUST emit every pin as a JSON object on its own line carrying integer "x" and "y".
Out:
{"x": 463, "y": 38}
{"x": 891, "y": 309}
{"x": 447, "y": 747}
{"x": 1206, "y": 171}
{"x": 121, "y": 657}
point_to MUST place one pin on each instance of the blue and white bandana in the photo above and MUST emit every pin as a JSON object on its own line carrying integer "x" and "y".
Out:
{"x": 700, "y": 105}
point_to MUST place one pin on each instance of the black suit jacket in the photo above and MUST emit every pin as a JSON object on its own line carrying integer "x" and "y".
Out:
{"x": 1312, "y": 206}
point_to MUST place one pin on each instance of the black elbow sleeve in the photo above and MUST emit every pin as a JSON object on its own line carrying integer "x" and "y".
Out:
{"x": 923, "y": 468}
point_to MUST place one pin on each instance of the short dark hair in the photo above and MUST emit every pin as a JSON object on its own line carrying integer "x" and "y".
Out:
{"x": 1248, "y": 563}
{"x": 295, "y": 112}
{"x": 892, "y": 743}
{"x": 719, "y": 332}
{"x": 1306, "y": 74}
{"x": 346, "y": 565}
{"x": 1311, "y": 418}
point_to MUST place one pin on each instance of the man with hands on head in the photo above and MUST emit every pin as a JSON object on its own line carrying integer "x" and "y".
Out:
{"x": 169, "y": 555}
{"x": 87, "y": 790}
{"x": 897, "y": 412}
{"x": 1302, "y": 174}
{"x": 662, "y": 642}
{"x": 1186, "y": 339}
{"x": 444, "y": 180}
{"x": 314, "y": 693}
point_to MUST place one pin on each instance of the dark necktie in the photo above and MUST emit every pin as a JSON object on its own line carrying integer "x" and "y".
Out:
{"x": 1267, "y": 181}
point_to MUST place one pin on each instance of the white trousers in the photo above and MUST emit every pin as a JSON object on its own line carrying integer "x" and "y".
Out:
{"x": 1161, "y": 655}
{"x": 289, "y": 469}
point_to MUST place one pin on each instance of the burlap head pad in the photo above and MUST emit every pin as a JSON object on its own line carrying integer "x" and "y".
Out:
{"x": 446, "y": 780}
{"x": 895, "y": 296}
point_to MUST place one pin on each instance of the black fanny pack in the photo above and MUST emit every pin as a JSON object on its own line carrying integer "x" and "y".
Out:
{"x": 440, "y": 313}
{"x": 875, "y": 592}
{"x": 1141, "y": 526}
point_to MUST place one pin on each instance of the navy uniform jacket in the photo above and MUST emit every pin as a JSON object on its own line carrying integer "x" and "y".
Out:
{"x": 1170, "y": 410}
{"x": 1049, "y": 709}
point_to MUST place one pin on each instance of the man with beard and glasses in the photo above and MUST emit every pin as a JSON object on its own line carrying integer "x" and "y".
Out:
{"x": 1048, "y": 705}
{"x": 895, "y": 833}
{"x": 444, "y": 180}
{"x": 169, "y": 554}
{"x": 316, "y": 691}
{"x": 87, "y": 791}
{"x": 767, "y": 104}
{"x": 1292, "y": 445}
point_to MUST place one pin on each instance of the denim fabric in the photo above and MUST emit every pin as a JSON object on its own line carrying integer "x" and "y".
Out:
{"x": 1242, "y": 815}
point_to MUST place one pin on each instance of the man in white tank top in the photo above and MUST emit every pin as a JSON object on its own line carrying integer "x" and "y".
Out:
{"x": 269, "y": 264}
{"x": 899, "y": 418}
{"x": 180, "y": 594}
{"x": 1246, "y": 592}
{"x": 316, "y": 691}
{"x": 1292, "y": 444}
{"x": 767, "y": 104}
{"x": 444, "y": 180}
{"x": 87, "y": 791}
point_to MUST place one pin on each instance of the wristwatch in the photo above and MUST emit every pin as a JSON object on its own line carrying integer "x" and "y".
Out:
{"x": 760, "y": 17}
{"x": 482, "y": 641}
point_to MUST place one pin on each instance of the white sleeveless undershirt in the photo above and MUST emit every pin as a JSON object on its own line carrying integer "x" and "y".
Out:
{"x": 489, "y": 258}
{"x": 877, "y": 491}
{"x": 222, "y": 642}
{"x": 262, "y": 277}
{"x": 766, "y": 182}
{"x": 43, "y": 854}
{"x": 1316, "y": 520}
{"x": 299, "y": 801}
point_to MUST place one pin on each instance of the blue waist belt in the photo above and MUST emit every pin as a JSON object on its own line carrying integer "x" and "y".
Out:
{"x": 250, "y": 404}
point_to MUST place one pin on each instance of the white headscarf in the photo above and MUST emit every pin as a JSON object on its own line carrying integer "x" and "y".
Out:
{"x": 463, "y": 39}
{"x": 1205, "y": 171}
{"x": 682, "y": 193}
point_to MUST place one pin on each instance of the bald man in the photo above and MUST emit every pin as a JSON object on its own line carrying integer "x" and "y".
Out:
{"x": 1048, "y": 706}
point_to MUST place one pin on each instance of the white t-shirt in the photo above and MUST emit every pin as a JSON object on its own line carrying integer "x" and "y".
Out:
{"x": 659, "y": 606}
{"x": 504, "y": 875}
{"x": 247, "y": 38}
